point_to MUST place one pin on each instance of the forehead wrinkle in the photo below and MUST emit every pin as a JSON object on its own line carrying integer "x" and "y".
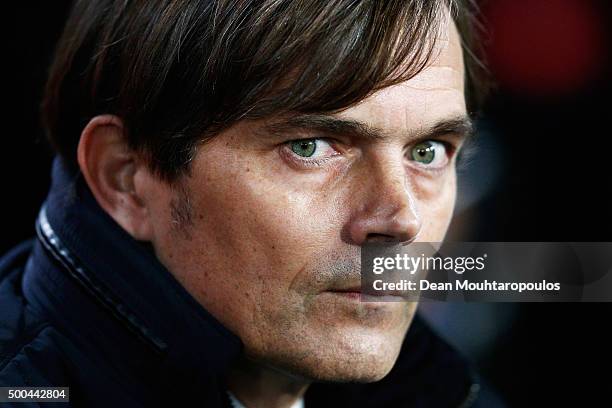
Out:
{"x": 450, "y": 78}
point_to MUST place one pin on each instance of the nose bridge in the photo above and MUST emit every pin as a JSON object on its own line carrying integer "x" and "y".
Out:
{"x": 395, "y": 198}
{"x": 386, "y": 208}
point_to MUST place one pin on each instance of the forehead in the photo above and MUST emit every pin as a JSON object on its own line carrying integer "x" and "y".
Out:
{"x": 437, "y": 92}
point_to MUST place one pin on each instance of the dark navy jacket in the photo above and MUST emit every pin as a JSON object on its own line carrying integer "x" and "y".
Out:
{"x": 85, "y": 306}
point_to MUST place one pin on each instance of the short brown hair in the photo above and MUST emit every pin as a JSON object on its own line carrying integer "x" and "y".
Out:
{"x": 178, "y": 72}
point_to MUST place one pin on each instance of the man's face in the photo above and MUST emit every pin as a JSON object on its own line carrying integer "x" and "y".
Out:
{"x": 266, "y": 231}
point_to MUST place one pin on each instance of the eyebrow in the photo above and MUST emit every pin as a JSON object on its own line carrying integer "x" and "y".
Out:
{"x": 460, "y": 125}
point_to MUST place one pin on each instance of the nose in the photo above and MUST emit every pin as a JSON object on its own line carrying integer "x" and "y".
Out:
{"x": 385, "y": 208}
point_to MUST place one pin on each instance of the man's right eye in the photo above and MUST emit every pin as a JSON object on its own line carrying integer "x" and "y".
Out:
{"x": 304, "y": 147}
{"x": 312, "y": 149}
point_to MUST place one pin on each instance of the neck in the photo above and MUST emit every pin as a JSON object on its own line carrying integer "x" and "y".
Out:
{"x": 257, "y": 386}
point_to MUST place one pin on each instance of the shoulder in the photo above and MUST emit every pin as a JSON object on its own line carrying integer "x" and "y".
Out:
{"x": 29, "y": 350}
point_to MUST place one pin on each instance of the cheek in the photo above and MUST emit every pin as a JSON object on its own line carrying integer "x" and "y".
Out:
{"x": 255, "y": 235}
{"x": 261, "y": 220}
{"x": 258, "y": 227}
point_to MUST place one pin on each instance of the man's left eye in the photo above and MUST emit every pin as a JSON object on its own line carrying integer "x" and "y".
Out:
{"x": 311, "y": 148}
{"x": 429, "y": 153}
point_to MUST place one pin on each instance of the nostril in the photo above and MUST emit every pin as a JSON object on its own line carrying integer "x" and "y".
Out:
{"x": 373, "y": 238}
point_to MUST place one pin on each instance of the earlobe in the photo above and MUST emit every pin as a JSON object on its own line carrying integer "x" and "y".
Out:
{"x": 109, "y": 167}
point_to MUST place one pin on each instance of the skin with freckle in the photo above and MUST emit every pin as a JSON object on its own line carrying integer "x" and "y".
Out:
{"x": 269, "y": 235}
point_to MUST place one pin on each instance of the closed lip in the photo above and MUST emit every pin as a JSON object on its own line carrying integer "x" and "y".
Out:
{"x": 354, "y": 291}
{"x": 351, "y": 289}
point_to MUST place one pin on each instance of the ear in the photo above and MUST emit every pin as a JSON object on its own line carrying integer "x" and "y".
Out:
{"x": 110, "y": 169}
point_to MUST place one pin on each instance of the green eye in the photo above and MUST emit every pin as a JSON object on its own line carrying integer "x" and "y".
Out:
{"x": 304, "y": 148}
{"x": 424, "y": 153}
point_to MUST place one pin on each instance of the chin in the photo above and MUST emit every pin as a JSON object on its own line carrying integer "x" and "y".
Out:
{"x": 359, "y": 359}
{"x": 365, "y": 371}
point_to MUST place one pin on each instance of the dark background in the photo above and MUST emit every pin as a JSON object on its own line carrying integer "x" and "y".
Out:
{"x": 541, "y": 174}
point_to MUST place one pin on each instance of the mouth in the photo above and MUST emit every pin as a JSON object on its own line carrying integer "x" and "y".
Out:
{"x": 351, "y": 293}
{"x": 356, "y": 293}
